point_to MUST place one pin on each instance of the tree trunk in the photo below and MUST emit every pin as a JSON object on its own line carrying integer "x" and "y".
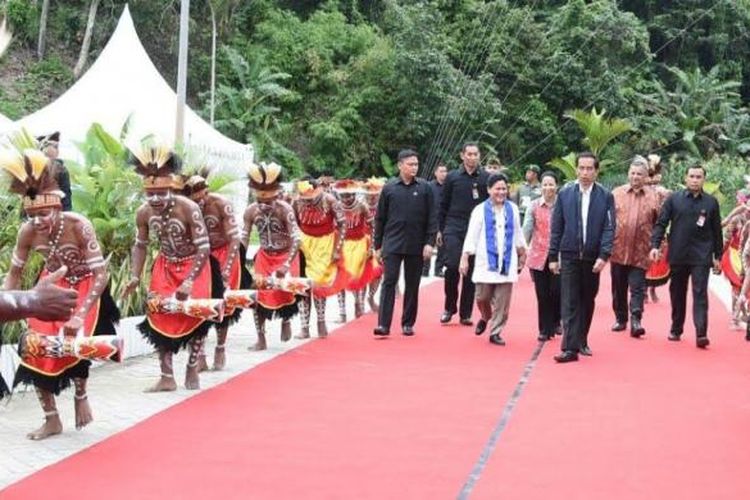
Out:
{"x": 84, "y": 55}
{"x": 213, "y": 63}
{"x": 42, "y": 30}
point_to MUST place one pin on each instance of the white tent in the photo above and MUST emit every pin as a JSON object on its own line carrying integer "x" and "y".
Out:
{"x": 123, "y": 83}
{"x": 5, "y": 123}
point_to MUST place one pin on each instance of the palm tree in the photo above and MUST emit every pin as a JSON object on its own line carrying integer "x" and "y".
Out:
{"x": 598, "y": 131}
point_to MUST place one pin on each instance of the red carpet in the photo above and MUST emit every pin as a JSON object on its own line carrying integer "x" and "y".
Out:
{"x": 346, "y": 417}
{"x": 355, "y": 417}
{"x": 640, "y": 419}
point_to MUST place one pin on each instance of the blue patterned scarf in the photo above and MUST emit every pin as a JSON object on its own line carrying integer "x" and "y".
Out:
{"x": 489, "y": 223}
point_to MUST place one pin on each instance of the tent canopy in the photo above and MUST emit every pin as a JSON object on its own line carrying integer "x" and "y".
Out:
{"x": 5, "y": 123}
{"x": 123, "y": 84}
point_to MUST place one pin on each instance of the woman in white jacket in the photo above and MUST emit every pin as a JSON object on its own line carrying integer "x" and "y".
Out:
{"x": 495, "y": 238}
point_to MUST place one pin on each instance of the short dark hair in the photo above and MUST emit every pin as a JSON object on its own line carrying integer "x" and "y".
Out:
{"x": 689, "y": 167}
{"x": 549, "y": 173}
{"x": 406, "y": 153}
{"x": 440, "y": 164}
{"x": 588, "y": 154}
{"x": 495, "y": 178}
{"x": 468, "y": 145}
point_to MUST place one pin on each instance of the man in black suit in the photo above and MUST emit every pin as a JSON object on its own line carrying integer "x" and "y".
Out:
{"x": 582, "y": 234}
{"x": 695, "y": 246}
{"x": 464, "y": 189}
{"x": 405, "y": 228}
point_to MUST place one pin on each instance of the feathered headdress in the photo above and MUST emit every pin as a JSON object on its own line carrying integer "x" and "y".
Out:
{"x": 265, "y": 178}
{"x": 347, "y": 186}
{"x": 158, "y": 165}
{"x": 654, "y": 164}
{"x": 31, "y": 176}
{"x": 374, "y": 185}
{"x": 194, "y": 180}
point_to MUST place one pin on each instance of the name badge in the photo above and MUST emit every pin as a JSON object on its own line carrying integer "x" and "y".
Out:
{"x": 701, "y": 219}
{"x": 475, "y": 193}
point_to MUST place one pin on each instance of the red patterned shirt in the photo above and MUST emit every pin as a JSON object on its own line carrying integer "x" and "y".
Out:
{"x": 536, "y": 229}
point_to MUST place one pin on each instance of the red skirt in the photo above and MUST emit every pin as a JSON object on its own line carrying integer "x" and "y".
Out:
{"x": 55, "y": 374}
{"x": 658, "y": 273}
{"x": 731, "y": 261}
{"x": 239, "y": 278}
{"x": 175, "y": 331}
{"x": 275, "y": 303}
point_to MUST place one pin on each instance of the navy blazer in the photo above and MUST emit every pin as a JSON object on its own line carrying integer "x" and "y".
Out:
{"x": 566, "y": 233}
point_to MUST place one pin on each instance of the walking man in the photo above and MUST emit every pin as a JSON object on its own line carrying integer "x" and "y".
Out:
{"x": 465, "y": 188}
{"x": 636, "y": 211}
{"x": 404, "y": 232}
{"x": 695, "y": 245}
{"x": 583, "y": 228}
{"x": 441, "y": 172}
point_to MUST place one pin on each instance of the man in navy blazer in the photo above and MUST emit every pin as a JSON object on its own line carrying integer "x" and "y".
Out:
{"x": 582, "y": 233}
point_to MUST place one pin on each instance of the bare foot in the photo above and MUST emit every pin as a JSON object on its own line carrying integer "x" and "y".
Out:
{"x": 304, "y": 333}
{"x": 220, "y": 359}
{"x": 286, "y": 331}
{"x": 83, "y": 412}
{"x": 322, "y": 330}
{"x": 165, "y": 384}
{"x": 202, "y": 363}
{"x": 260, "y": 345}
{"x": 51, "y": 427}
{"x": 342, "y": 318}
{"x": 192, "y": 379}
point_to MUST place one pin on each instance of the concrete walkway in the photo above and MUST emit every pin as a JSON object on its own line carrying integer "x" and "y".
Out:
{"x": 117, "y": 398}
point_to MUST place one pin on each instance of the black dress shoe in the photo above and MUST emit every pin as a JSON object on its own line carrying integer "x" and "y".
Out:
{"x": 585, "y": 351}
{"x": 543, "y": 338}
{"x": 408, "y": 331}
{"x": 619, "y": 326}
{"x": 702, "y": 342}
{"x": 674, "y": 337}
{"x": 381, "y": 331}
{"x": 636, "y": 328}
{"x": 446, "y": 317}
{"x": 466, "y": 321}
{"x": 481, "y": 327}
{"x": 566, "y": 357}
{"x": 747, "y": 332}
{"x": 496, "y": 339}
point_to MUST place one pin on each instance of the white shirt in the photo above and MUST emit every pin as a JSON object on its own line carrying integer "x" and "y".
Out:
{"x": 585, "y": 202}
{"x": 475, "y": 244}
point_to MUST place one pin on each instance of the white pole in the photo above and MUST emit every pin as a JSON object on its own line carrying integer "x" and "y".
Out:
{"x": 179, "y": 134}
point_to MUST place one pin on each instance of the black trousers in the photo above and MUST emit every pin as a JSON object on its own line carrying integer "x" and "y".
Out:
{"x": 547, "y": 288}
{"x": 624, "y": 278}
{"x": 578, "y": 288}
{"x": 678, "y": 284}
{"x": 452, "y": 278}
{"x": 412, "y": 277}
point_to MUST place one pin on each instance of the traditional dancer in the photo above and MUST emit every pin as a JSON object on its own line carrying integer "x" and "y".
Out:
{"x": 321, "y": 221}
{"x": 372, "y": 188}
{"x": 181, "y": 267}
{"x": 226, "y": 248}
{"x": 64, "y": 239}
{"x": 658, "y": 273}
{"x": 735, "y": 234}
{"x": 357, "y": 248}
{"x": 278, "y": 253}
